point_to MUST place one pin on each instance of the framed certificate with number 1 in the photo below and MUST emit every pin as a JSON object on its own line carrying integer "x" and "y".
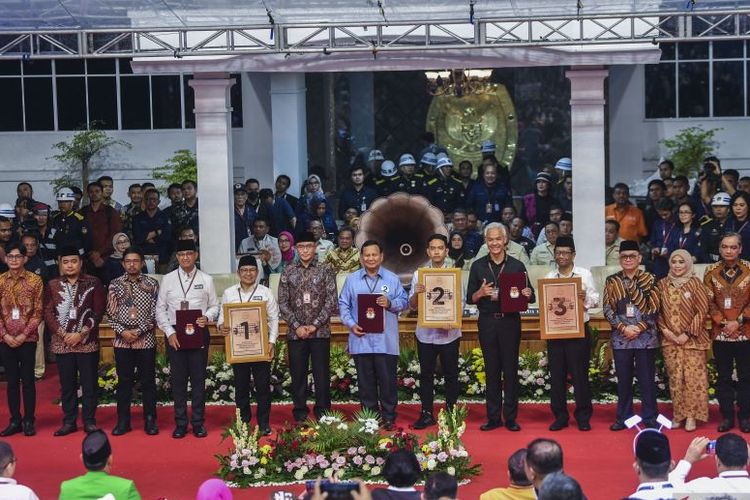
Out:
{"x": 247, "y": 341}
{"x": 441, "y": 304}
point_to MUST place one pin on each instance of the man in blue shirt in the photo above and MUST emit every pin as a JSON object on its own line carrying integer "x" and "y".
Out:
{"x": 375, "y": 354}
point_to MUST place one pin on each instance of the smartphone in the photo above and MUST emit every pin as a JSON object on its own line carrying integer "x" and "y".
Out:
{"x": 336, "y": 491}
{"x": 711, "y": 447}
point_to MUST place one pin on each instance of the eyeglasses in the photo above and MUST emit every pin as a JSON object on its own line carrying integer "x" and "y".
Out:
{"x": 14, "y": 256}
{"x": 563, "y": 253}
{"x": 248, "y": 269}
{"x": 629, "y": 256}
{"x": 306, "y": 245}
{"x": 189, "y": 253}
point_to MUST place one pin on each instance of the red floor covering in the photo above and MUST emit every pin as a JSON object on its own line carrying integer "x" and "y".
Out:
{"x": 163, "y": 467}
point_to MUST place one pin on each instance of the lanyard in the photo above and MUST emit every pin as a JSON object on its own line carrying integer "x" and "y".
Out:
{"x": 373, "y": 287}
{"x": 496, "y": 278}
{"x": 72, "y": 295}
{"x": 741, "y": 227}
{"x": 184, "y": 292}
{"x": 239, "y": 292}
{"x": 665, "y": 234}
{"x": 645, "y": 487}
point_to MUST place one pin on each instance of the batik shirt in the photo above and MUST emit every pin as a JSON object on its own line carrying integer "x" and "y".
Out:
{"x": 640, "y": 291}
{"x": 24, "y": 293}
{"x": 308, "y": 296}
{"x": 125, "y": 294}
{"x": 86, "y": 298}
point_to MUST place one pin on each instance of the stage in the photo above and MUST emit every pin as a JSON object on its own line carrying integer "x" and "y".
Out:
{"x": 164, "y": 467}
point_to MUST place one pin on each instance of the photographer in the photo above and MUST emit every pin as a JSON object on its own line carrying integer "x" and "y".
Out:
{"x": 731, "y": 457}
{"x": 711, "y": 181}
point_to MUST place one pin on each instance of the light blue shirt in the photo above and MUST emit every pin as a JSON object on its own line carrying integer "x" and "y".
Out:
{"x": 435, "y": 335}
{"x": 387, "y": 284}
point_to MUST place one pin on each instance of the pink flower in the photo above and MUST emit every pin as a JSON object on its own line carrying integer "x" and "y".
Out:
{"x": 370, "y": 459}
{"x": 357, "y": 460}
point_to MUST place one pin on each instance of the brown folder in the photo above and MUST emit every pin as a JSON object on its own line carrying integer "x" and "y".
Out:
{"x": 511, "y": 298}
{"x": 370, "y": 316}
{"x": 189, "y": 334}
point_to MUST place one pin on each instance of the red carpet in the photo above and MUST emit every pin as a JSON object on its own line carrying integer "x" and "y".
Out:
{"x": 163, "y": 467}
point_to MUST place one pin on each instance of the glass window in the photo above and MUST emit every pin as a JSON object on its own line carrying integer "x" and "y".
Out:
{"x": 235, "y": 99}
{"x": 692, "y": 50}
{"x": 165, "y": 99}
{"x": 11, "y": 119}
{"x": 667, "y": 51}
{"x": 37, "y": 67}
{"x": 70, "y": 67}
{"x": 10, "y": 67}
{"x": 125, "y": 68}
{"x": 39, "y": 112}
{"x": 134, "y": 102}
{"x": 693, "y": 89}
{"x": 103, "y": 102}
{"x": 731, "y": 49}
{"x": 100, "y": 66}
{"x": 71, "y": 103}
{"x": 729, "y": 92}
{"x": 189, "y": 102}
{"x": 660, "y": 91}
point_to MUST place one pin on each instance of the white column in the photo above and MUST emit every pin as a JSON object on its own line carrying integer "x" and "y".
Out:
{"x": 587, "y": 132}
{"x": 213, "y": 149}
{"x": 289, "y": 127}
{"x": 256, "y": 146}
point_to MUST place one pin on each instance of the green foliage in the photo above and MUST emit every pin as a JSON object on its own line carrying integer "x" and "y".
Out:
{"x": 689, "y": 147}
{"x": 82, "y": 156}
{"x": 180, "y": 167}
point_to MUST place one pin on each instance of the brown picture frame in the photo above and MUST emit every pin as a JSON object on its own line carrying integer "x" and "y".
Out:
{"x": 442, "y": 285}
{"x": 560, "y": 310}
{"x": 247, "y": 341}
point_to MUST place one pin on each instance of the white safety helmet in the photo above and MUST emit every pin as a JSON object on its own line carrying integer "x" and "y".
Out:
{"x": 721, "y": 200}
{"x": 565, "y": 164}
{"x": 406, "y": 159}
{"x": 488, "y": 147}
{"x": 444, "y": 162}
{"x": 66, "y": 194}
{"x": 375, "y": 155}
{"x": 6, "y": 210}
{"x": 429, "y": 159}
{"x": 388, "y": 169}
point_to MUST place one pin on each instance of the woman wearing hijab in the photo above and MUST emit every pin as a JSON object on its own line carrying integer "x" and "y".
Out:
{"x": 288, "y": 253}
{"x": 113, "y": 265}
{"x": 456, "y": 250}
{"x": 684, "y": 303}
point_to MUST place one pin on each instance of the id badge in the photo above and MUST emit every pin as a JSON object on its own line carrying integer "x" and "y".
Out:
{"x": 15, "y": 313}
{"x": 664, "y": 251}
{"x": 488, "y": 208}
{"x": 72, "y": 314}
{"x": 630, "y": 311}
{"x": 363, "y": 207}
{"x": 184, "y": 305}
{"x": 132, "y": 313}
{"x": 727, "y": 302}
{"x": 306, "y": 298}
{"x": 495, "y": 296}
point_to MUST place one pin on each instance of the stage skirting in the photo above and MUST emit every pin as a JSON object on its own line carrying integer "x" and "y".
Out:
{"x": 530, "y": 340}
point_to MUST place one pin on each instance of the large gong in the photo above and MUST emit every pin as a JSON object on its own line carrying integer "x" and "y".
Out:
{"x": 460, "y": 124}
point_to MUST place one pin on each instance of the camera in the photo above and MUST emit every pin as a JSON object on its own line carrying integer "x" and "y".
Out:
{"x": 711, "y": 447}
{"x": 336, "y": 491}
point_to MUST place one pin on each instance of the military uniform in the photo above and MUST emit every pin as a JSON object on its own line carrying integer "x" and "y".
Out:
{"x": 416, "y": 184}
{"x": 447, "y": 193}
{"x": 70, "y": 229}
{"x": 711, "y": 232}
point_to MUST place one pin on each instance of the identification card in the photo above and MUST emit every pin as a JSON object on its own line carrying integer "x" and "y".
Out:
{"x": 488, "y": 208}
{"x": 630, "y": 311}
{"x": 363, "y": 207}
{"x": 132, "y": 313}
{"x": 184, "y": 305}
{"x": 72, "y": 314}
{"x": 495, "y": 296}
{"x": 664, "y": 251}
{"x": 15, "y": 313}
{"x": 306, "y": 298}
{"x": 727, "y": 302}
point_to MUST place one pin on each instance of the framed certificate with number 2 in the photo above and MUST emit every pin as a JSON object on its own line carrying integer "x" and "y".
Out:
{"x": 441, "y": 304}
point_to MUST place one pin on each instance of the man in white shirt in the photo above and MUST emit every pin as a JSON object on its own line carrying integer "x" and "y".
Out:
{"x": 249, "y": 290}
{"x": 571, "y": 355}
{"x": 653, "y": 460}
{"x": 731, "y": 464}
{"x": 322, "y": 245}
{"x": 544, "y": 253}
{"x": 9, "y": 488}
{"x": 187, "y": 288}
{"x": 265, "y": 246}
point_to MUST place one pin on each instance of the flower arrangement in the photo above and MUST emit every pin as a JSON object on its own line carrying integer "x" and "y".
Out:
{"x": 339, "y": 446}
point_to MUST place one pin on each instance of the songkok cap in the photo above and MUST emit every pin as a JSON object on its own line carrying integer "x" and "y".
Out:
{"x": 406, "y": 159}
{"x": 566, "y": 242}
{"x": 66, "y": 194}
{"x": 6, "y": 210}
{"x": 544, "y": 176}
{"x": 488, "y": 146}
{"x": 67, "y": 251}
{"x": 388, "y": 169}
{"x": 652, "y": 447}
{"x": 444, "y": 162}
{"x": 239, "y": 188}
{"x": 248, "y": 260}
{"x": 96, "y": 450}
{"x": 721, "y": 200}
{"x": 306, "y": 237}
{"x": 375, "y": 155}
{"x": 185, "y": 246}
{"x": 429, "y": 159}
{"x": 40, "y": 208}
{"x": 564, "y": 164}
{"x": 629, "y": 245}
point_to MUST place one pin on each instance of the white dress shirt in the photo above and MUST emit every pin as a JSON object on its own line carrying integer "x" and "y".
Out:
{"x": 322, "y": 248}
{"x": 731, "y": 481}
{"x": 435, "y": 335}
{"x": 11, "y": 490}
{"x": 253, "y": 245}
{"x": 658, "y": 490}
{"x": 235, "y": 295}
{"x": 197, "y": 288}
{"x": 587, "y": 280}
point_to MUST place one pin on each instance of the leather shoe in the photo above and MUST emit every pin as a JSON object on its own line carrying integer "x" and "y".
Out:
{"x": 512, "y": 426}
{"x": 389, "y": 425}
{"x": 179, "y": 432}
{"x": 265, "y": 431}
{"x": 725, "y": 425}
{"x": 13, "y": 428}
{"x": 425, "y": 420}
{"x": 89, "y": 428}
{"x": 29, "y": 429}
{"x": 490, "y": 425}
{"x": 199, "y": 431}
{"x": 150, "y": 427}
{"x": 65, "y": 430}
{"x": 618, "y": 426}
{"x": 584, "y": 426}
{"x": 558, "y": 425}
{"x": 745, "y": 425}
{"x": 121, "y": 428}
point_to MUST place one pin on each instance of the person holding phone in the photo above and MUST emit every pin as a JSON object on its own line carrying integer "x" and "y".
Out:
{"x": 730, "y": 452}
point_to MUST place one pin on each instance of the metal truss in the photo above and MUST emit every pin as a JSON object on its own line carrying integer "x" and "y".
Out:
{"x": 379, "y": 37}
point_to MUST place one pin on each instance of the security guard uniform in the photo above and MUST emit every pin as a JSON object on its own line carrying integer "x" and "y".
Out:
{"x": 445, "y": 192}
{"x": 712, "y": 230}
{"x": 70, "y": 229}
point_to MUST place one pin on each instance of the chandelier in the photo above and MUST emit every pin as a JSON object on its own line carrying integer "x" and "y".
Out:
{"x": 458, "y": 82}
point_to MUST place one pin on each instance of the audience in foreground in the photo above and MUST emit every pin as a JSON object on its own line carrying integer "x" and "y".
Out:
{"x": 731, "y": 461}
{"x": 9, "y": 488}
{"x": 401, "y": 470}
{"x": 440, "y": 486}
{"x": 520, "y": 487}
{"x": 543, "y": 457}
{"x": 98, "y": 482}
{"x": 560, "y": 486}
{"x": 653, "y": 460}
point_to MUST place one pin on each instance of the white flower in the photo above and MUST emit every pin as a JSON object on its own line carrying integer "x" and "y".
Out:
{"x": 328, "y": 472}
{"x": 431, "y": 464}
{"x": 342, "y": 426}
{"x": 300, "y": 473}
{"x": 375, "y": 471}
{"x": 451, "y": 470}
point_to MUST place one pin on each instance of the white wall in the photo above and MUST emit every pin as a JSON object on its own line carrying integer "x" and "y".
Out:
{"x": 634, "y": 148}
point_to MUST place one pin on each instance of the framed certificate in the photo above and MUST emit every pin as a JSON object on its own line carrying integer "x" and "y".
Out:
{"x": 560, "y": 311}
{"x": 440, "y": 306}
{"x": 247, "y": 341}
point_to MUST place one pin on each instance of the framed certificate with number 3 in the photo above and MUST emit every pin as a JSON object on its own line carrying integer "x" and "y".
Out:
{"x": 441, "y": 304}
{"x": 560, "y": 310}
